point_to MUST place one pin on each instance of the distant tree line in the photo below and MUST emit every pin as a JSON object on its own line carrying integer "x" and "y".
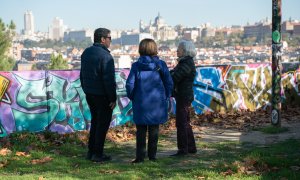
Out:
{"x": 57, "y": 44}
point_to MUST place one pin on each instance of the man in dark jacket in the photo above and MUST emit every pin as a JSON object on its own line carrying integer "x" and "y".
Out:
{"x": 97, "y": 76}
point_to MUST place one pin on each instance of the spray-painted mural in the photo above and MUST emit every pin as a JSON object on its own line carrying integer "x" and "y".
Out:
{"x": 221, "y": 88}
{"x": 43, "y": 100}
{"x": 53, "y": 100}
{"x": 248, "y": 86}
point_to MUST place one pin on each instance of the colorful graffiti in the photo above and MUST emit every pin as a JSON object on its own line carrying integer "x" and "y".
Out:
{"x": 249, "y": 86}
{"x": 225, "y": 87}
{"x": 53, "y": 100}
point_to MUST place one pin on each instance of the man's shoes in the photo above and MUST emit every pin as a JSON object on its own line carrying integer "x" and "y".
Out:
{"x": 137, "y": 161}
{"x": 192, "y": 151}
{"x": 179, "y": 154}
{"x": 89, "y": 155}
{"x": 98, "y": 158}
{"x": 152, "y": 159}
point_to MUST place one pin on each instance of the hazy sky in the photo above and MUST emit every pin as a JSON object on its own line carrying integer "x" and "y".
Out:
{"x": 125, "y": 14}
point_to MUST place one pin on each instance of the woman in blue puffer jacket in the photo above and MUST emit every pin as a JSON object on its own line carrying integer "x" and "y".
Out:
{"x": 149, "y": 86}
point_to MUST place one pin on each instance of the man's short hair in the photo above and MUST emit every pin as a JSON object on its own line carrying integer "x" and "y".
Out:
{"x": 99, "y": 33}
{"x": 148, "y": 47}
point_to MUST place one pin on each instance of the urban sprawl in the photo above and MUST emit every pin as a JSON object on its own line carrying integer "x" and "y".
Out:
{"x": 215, "y": 45}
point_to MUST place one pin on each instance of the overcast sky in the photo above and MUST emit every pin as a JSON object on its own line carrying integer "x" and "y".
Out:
{"x": 125, "y": 14}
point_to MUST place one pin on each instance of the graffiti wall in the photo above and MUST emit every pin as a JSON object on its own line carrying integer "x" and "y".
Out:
{"x": 42, "y": 100}
{"x": 247, "y": 86}
{"x": 53, "y": 100}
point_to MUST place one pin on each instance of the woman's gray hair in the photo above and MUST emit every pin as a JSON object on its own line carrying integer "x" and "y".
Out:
{"x": 188, "y": 48}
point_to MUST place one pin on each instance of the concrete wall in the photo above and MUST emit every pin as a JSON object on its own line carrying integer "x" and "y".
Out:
{"x": 53, "y": 100}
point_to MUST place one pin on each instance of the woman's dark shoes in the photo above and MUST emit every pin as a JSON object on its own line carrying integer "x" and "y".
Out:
{"x": 100, "y": 158}
{"x": 137, "y": 161}
{"x": 179, "y": 154}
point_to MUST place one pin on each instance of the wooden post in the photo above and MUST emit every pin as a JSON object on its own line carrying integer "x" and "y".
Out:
{"x": 276, "y": 63}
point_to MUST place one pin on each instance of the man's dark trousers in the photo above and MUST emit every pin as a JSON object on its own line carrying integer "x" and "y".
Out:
{"x": 101, "y": 117}
{"x": 141, "y": 141}
{"x": 185, "y": 135}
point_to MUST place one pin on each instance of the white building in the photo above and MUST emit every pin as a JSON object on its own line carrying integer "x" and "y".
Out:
{"x": 191, "y": 35}
{"x": 115, "y": 34}
{"x": 122, "y": 61}
{"x": 28, "y": 23}
{"x": 133, "y": 39}
{"x": 56, "y": 29}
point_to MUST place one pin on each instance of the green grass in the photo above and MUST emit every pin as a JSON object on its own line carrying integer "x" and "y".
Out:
{"x": 225, "y": 160}
{"x": 272, "y": 129}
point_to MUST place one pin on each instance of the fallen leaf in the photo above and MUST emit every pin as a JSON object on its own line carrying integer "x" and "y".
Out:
{"x": 41, "y": 161}
{"x": 109, "y": 171}
{"x": 5, "y": 152}
{"x": 120, "y": 135}
{"x": 227, "y": 173}
{"x": 200, "y": 177}
{"x": 18, "y": 153}
{"x": 3, "y": 163}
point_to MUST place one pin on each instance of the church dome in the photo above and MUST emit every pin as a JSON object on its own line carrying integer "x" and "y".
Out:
{"x": 159, "y": 21}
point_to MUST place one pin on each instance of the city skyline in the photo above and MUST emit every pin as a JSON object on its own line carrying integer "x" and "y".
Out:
{"x": 118, "y": 14}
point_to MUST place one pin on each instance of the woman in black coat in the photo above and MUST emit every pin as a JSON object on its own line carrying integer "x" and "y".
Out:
{"x": 183, "y": 77}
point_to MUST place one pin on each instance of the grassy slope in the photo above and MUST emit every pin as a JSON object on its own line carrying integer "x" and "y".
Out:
{"x": 226, "y": 160}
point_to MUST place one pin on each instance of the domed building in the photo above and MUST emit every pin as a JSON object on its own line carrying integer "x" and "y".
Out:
{"x": 159, "y": 21}
{"x": 159, "y": 29}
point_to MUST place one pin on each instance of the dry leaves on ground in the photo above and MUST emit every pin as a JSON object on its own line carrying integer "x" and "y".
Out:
{"x": 227, "y": 172}
{"x": 252, "y": 166}
{"x": 199, "y": 177}
{"x": 109, "y": 171}
{"x": 121, "y": 134}
{"x": 5, "y": 152}
{"x": 3, "y": 163}
{"x": 42, "y": 160}
{"x": 243, "y": 120}
{"x": 18, "y": 153}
